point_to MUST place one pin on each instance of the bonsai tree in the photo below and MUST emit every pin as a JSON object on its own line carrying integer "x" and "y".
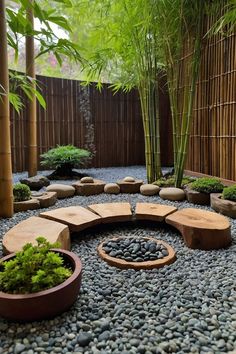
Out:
{"x": 207, "y": 185}
{"x": 229, "y": 193}
{"x": 64, "y": 159}
{"x": 21, "y": 192}
{"x": 33, "y": 269}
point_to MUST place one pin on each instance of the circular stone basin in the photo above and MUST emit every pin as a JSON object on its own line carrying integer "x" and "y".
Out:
{"x": 136, "y": 253}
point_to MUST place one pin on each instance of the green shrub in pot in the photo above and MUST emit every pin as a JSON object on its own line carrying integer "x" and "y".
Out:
{"x": 34, "y": 269}
{"x": 21, "y": 192}
{"x": 229, "y": 193}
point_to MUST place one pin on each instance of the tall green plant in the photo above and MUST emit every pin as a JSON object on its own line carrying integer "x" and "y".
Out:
{"x": 120, "y": 44}
{"x": 180, "y": 27}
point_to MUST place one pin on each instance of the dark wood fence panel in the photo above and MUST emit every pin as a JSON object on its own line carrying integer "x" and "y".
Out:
{"x": 212, "y": 147}
{"x": 110, "y": 124}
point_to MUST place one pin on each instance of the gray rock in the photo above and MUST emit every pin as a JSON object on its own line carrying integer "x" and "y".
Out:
{"x": 84, "y": 338}
{"x": 36, "y": 183}
{"x": 19, "y": 348}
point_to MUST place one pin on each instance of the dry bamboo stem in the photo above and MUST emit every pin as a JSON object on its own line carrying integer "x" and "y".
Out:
{"x": 6, "y": 195}
{"x": 32, "y": 114}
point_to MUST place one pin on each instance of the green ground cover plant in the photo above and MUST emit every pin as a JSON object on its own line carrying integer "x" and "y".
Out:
{"x": 170, "y": 181}
{"x": 33, "y": 269}
{"x": 207, "y": 185}
{"x": 64, "y": 158}
{"x": 21, "y": 192}
{"x": 229, "y": 193}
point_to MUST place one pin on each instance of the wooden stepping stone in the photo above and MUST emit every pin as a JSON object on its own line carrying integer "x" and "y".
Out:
{"x": 201, "y": 229}
{"x": 76, "y": 217}
{"x": 30, "y": 204}
{"x": 62, "y": 190}
{"x": 128, "y": 186}
{"x": 154, "y": 212}
{"x": 89, "y": 188}
{"x": 112, "y": 212}
{"x": 28, "y": 230}
{"x": 47, "y": 199}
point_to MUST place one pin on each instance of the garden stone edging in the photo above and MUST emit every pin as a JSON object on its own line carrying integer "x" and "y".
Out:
{"x": 120, "y": 263}
{"x": 200, "y": 229}
{"x": 223, "y": 206}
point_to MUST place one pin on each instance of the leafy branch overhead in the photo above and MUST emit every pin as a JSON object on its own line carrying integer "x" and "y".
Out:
{"x": 46, "y": 36}
{"x": 47, "y": 41}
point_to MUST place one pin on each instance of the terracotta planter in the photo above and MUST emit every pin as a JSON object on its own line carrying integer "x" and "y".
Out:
{"x": 197, "y": 197}
{"x": 47, "y": 303}
{"x": 223, "y": 206}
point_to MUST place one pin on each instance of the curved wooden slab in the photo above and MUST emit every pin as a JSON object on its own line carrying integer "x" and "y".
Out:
{"x": 201, "y": 229}
{"x": 121, "y": 263}
{"x": 76, "y": 217}
{"x": 112, "y": 212}
{"x": 28, "y": 230}
{"x": 153, "y": 212}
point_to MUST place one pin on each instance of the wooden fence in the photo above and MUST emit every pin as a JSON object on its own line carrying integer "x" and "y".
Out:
{"x": 212, "y": 147}
{"x": 110, "y": 125}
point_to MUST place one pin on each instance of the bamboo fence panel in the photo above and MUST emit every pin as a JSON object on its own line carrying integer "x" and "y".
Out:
{"x": 212, "y": 146}
{"x": 76, "y": 114}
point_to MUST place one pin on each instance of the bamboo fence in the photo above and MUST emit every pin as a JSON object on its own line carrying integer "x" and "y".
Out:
{"x": 212, "y": 145}
{"x": 103, "y": 122}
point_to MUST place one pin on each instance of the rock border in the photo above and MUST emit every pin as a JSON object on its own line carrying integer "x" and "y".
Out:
{"x": 121, "y": 263}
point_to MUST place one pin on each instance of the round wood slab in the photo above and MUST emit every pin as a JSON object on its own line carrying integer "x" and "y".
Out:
{"x": 121, "y": 263}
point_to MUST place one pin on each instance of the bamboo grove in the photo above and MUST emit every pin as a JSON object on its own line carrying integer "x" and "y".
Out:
{"x": 129, "y": 44}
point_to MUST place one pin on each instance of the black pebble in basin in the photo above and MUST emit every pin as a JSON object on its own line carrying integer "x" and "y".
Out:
{"x": 135, "y": 249}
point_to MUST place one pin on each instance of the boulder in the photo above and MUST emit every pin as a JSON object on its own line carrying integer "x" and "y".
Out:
{"x": 36, "y": 183}
{"x": 223, "y": 206}
{"x": 62, "y": 190}
{"x": 172, "y": 193}
{"x": 112, "y": 188}
{"x": 196, "y": 197}
{"x": 130, "y": 187}
{"x": 149, "y": 189}
{"x": 96, "y": 187}
{"x": 201, "y": 229}
{"x": 28, "y": 230}
{"x": 30, "y": 204}
{"x": 87, "y": 180}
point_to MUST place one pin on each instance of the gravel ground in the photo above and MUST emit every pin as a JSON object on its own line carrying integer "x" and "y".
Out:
{"x": 187, "y": 307}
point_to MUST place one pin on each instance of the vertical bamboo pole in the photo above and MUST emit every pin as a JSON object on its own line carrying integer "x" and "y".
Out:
{"x": 31, "y": 113}
{"x": 6, "y": 195}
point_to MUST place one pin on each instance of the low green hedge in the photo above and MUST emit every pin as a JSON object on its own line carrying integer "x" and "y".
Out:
{"x": 207, "y": 185}
{"x": 229, "y": 193}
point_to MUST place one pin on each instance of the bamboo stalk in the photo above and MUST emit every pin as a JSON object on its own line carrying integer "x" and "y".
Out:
{"x": 6, "y": 194}
{"x": 31, "y": 113}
